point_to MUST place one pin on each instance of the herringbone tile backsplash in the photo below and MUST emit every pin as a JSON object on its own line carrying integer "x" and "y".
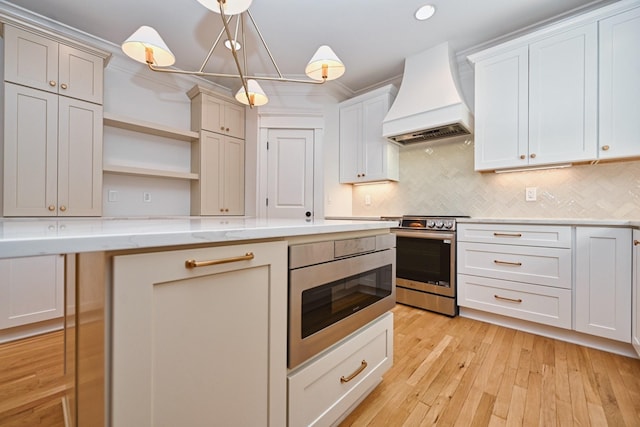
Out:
{"x": 440, "y": 180}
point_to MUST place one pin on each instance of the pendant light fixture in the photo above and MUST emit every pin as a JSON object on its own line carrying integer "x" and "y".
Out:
{"x": 146, "y": 46}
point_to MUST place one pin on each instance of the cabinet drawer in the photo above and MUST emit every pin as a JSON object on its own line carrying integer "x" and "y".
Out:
{"x": 317, "y": 394}
{"x": 541, "y": 304}
{"x": 513, "y": 234}
{"x": 542, "y": 266}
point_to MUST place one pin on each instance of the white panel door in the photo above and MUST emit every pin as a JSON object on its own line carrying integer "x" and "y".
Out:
{"x": 290, "y": 173}
{"x": 620, "y": 85}
{"x": 502, "y": 110}
{"x": 563, "y": 106}
{"x": 603, "y": 282}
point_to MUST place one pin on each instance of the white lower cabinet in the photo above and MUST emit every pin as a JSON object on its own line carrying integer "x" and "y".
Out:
{"x": 635, "y": 293}
{"x": 204, "y": 345}
{"x": 322, "y": 391}
{"x": 603, "y": 282}
{"x": 31, "y": 290}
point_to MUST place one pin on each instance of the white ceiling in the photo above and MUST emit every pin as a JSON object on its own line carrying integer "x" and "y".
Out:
{"x": 372, "y": 37}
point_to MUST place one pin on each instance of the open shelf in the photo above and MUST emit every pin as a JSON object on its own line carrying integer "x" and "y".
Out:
{"x": 130, "y": 170}
{"x": 150, "y": 128}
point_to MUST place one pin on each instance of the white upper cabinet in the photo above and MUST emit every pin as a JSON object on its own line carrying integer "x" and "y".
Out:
{"x": 502, "y": 110}
{"x": 43, "y": 63}
{"x": 620, "y": 85}
{"x": 365, "y": 155}
{"x": 563, "y": 97}
{"x": 566, "y": 93}
{"x": 209, "y": 111}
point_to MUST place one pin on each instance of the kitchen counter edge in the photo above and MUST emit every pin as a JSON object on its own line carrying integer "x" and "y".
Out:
{"x": 554, "y": 221}
{"x": 39, "y": 236}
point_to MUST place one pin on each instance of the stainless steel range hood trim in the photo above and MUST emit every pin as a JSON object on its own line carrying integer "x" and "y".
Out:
{"x": 411, "y": 129}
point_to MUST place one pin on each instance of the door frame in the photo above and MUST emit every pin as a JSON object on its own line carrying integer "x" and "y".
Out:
{"x": 289, "y": 120}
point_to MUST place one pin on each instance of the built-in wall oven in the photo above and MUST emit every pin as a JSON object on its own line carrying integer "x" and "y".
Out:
{"x": 335, "y": 288}
{"x": 426, "y": 263}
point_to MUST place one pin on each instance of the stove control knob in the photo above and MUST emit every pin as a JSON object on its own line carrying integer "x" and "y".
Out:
{"x": 439, "y": 224}
{"x": 448, "y": 224}
{"x": 430, "y": 223}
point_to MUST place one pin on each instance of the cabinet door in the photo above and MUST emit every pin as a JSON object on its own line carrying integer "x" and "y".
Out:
{"x": 502, "y": 110}
{"x": 376, "y": 150}
{"x": 635, "y": 310}
{"x": 232, "y": 176}
{"x": 30, "y": 60}
{"x": 350, "y": 147}
{"x": 207, "y": 189}
{"x": 79, "y": 158}
{"x": 200, "y": 346}
{"x": 80, "y": 74}
{"x": 30, "y": 152}
{"x": 603, "y": 282}
{"x": 563, "y": 97}
{"x": 619, "y": 85}
{"x": 234, "y": 120}
{"x": 31, "y": 290}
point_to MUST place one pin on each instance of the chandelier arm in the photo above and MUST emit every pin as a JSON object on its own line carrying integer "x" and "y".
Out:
{"x": 213, "y": 46}
{"x": 235, "y": 57}
{"x": 285, "y": 79}
{"x": 264, "y": 43}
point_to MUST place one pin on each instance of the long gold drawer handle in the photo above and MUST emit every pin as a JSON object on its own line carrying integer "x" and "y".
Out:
{"x": 361, "y": 368}
{"x": 507, "y": 234}
{"x": 497, "y": 261}
{"x": 192, "y": 263}
{"x": 508, "y": 299}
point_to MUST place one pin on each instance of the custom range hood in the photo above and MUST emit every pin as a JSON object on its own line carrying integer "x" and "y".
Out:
{"x": 428, "y": 106}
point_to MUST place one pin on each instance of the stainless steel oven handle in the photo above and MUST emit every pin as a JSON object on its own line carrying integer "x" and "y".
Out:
{"x": 438, "y": 235}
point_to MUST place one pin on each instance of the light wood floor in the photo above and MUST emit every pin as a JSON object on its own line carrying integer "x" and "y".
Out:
{"x": 32, "y": 381}
{"x": 457, "y": 371}
{"x": 446, "y": 372}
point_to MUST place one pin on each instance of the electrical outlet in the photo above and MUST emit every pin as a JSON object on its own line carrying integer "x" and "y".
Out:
{"x": 367, "y": 199}
{"x": 113, "y": 196}
{"x": 530, "y": 194}
{"x": 146, "y": 197}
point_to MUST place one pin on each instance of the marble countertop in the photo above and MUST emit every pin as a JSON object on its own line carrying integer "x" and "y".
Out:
{"x": 39, "y": 236}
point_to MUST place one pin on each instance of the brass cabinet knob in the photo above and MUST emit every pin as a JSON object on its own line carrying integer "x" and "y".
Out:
{"x": 52, "y": 208}
{"x": 636, "y": 242}
{"x": 63, "y": 208}
{"x": 227, "y": 129}
{"x": 605, "y": 148}
{"x": 221, "y": 209}
{"x": 532, "y": 155}
{"x": 522, "y": 156}
{"x": 221, "y": 127}
{"x": 52, "y": 83}
{"x": 226, "y": 209}
{"x": 63, "y": 86}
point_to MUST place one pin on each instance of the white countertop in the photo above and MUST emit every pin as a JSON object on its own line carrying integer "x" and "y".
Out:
{"x": 43, "y": 236}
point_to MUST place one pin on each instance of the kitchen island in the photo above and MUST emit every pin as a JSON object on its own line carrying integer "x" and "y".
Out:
{"x": 128, "y": 319}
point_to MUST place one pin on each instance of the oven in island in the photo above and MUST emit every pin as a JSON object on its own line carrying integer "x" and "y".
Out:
{"x": 335, "y": 288}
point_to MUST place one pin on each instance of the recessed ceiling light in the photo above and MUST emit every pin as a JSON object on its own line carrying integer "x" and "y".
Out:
{"x": 425, "y": 12}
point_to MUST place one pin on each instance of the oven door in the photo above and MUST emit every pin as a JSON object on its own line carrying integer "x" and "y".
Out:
{"x": 329, "y": 301}
{"x": 425, "y": 261}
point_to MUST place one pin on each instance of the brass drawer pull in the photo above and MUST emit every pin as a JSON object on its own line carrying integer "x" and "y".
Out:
{"x": 361, "y": 368}
{"x": 192, "y": 263}
{"x": 507, "y": 234}
{"x": 636, "y": 242}
{"x": 497, "y": 261}
{"x": 508, "y": 299}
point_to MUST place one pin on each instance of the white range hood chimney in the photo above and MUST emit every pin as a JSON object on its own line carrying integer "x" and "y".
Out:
{"x": 428, "y": 106}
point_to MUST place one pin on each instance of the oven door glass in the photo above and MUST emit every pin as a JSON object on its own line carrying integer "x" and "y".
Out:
{"x": 327, "y": 304}
{"x": 425, "y": 260}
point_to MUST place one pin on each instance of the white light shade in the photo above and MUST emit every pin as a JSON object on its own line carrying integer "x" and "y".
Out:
{"x": 146, "y": 37}
{"x": 256, "y": 94}
{"x": 326, "y": 59}
{"x": 230, "y": 7}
